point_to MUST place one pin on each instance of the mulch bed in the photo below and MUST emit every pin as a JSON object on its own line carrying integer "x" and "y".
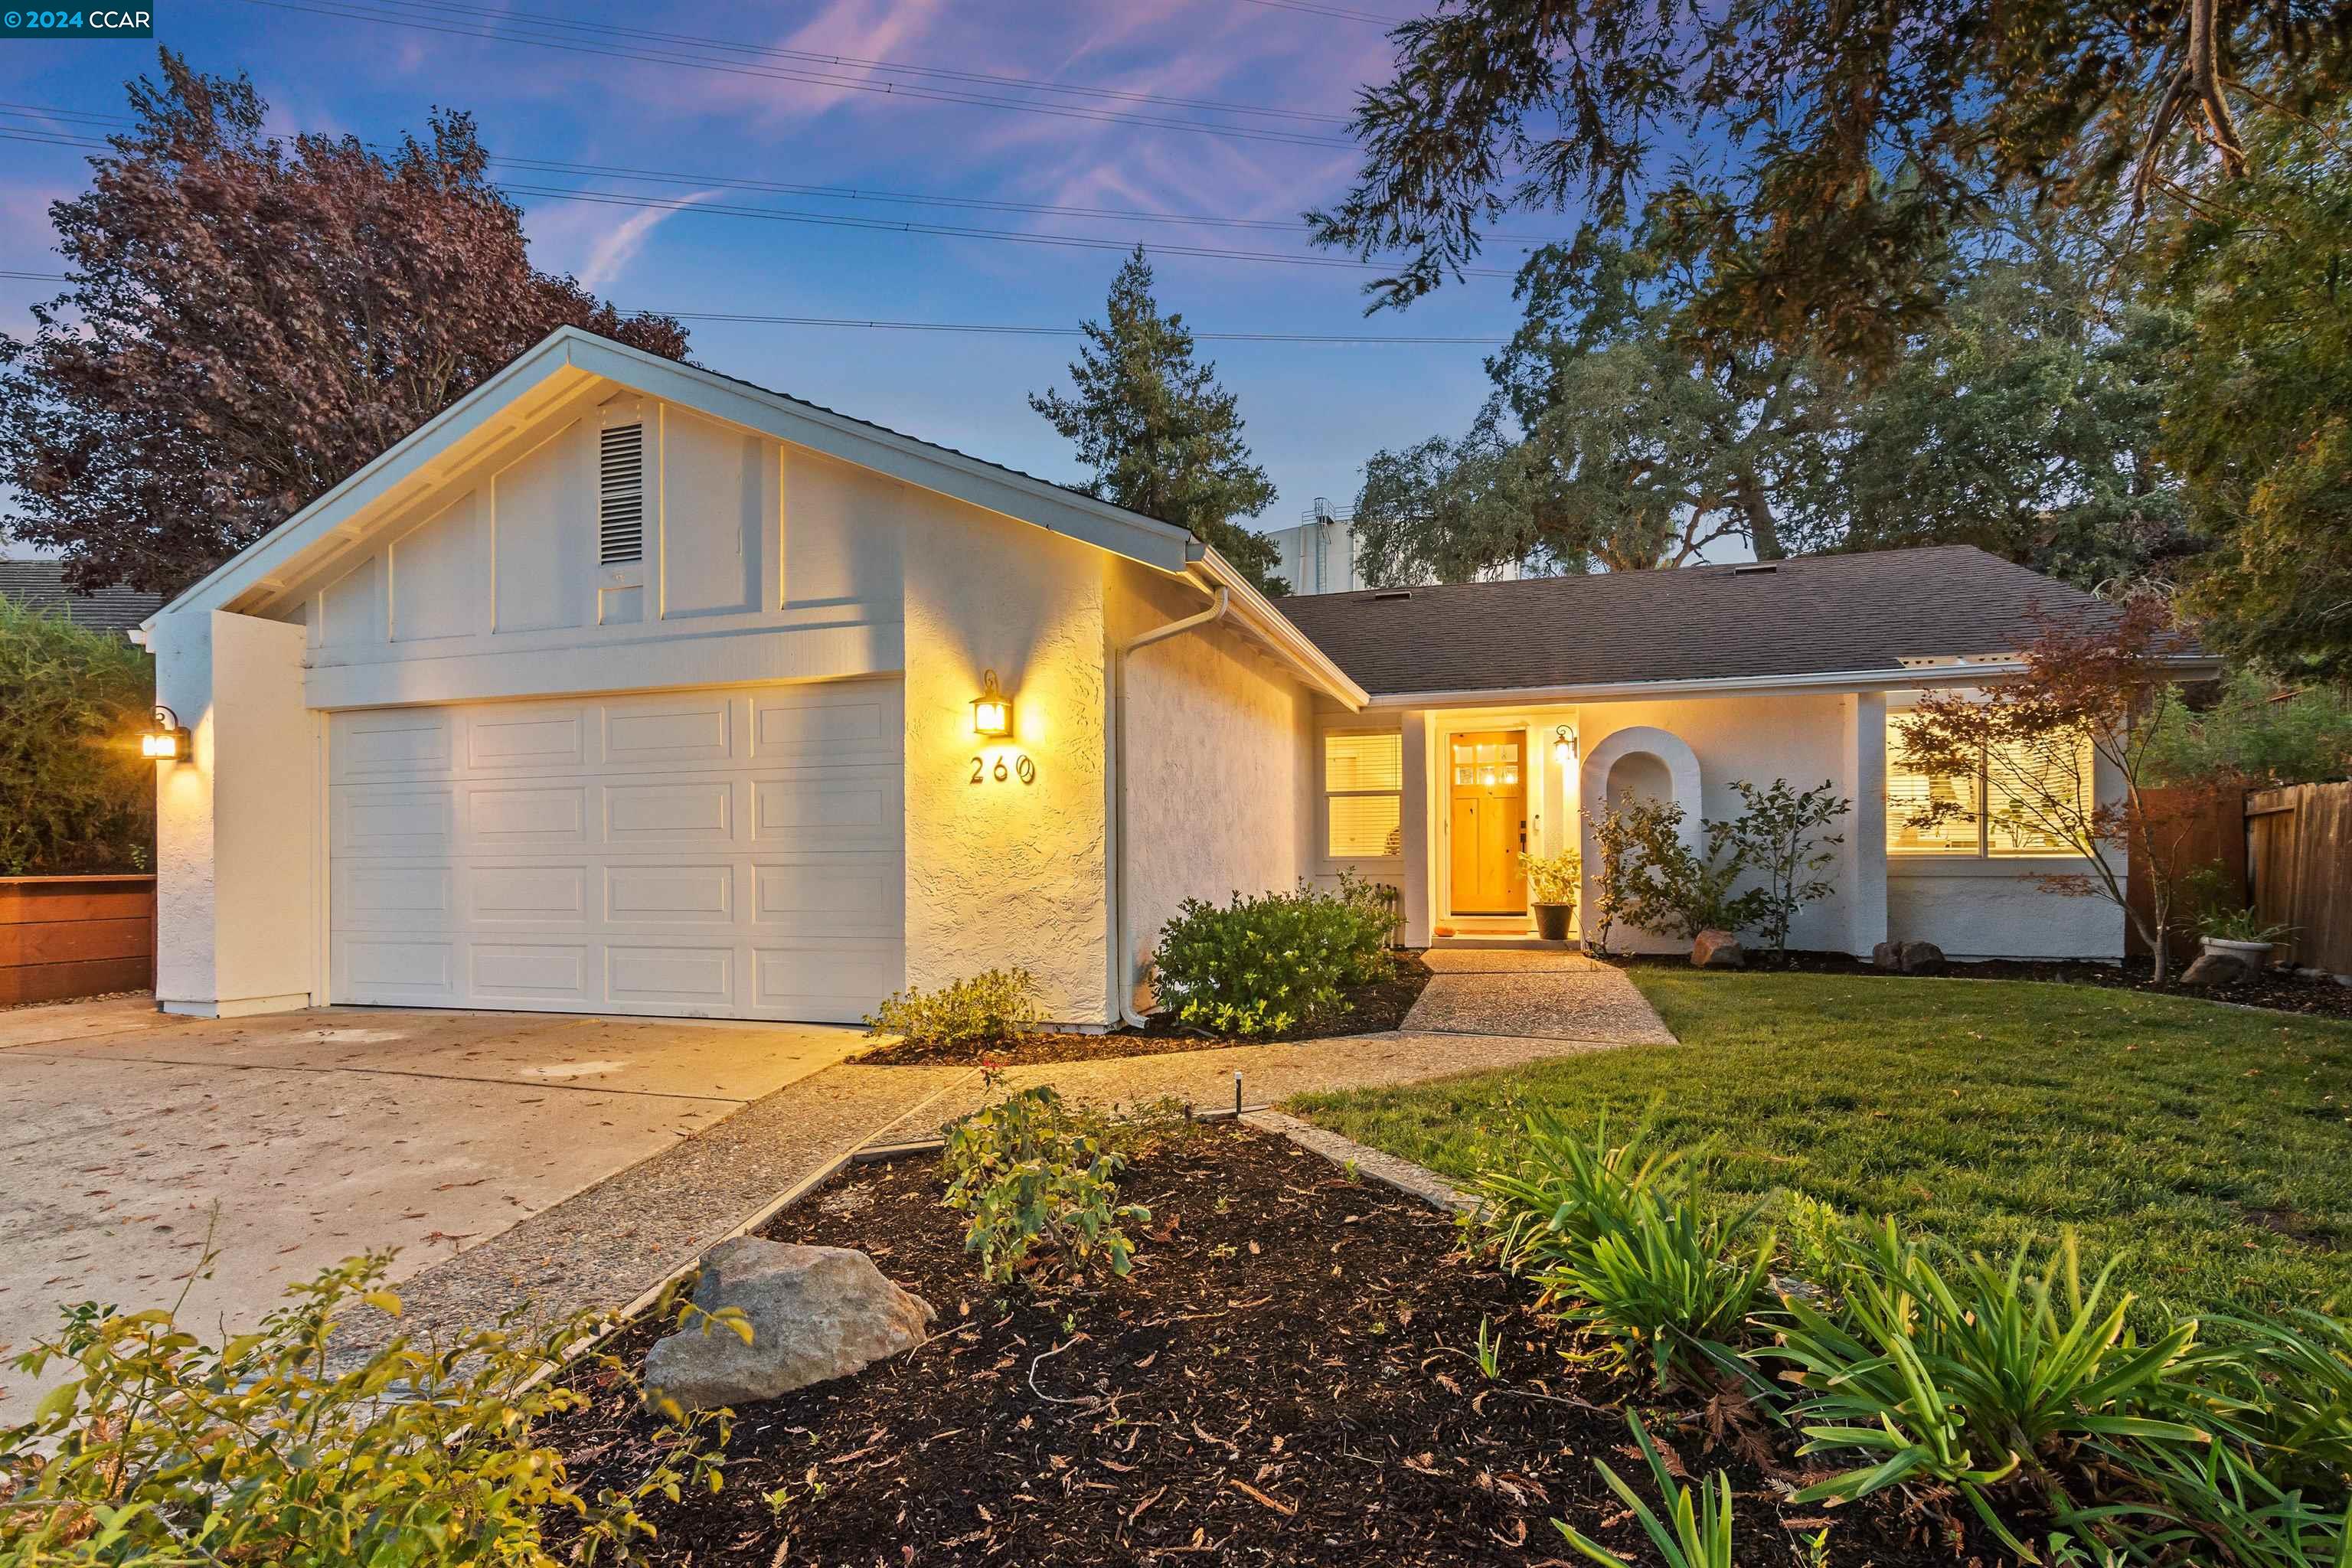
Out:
{"x": 1371, "y": 1009}
{"x": 2278, "y": 990}
{"x": 1288, "y": 1376}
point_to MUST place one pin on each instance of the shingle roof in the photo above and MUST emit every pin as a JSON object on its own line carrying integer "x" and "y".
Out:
{"x": 1815, "y": 615}
{"x": 41, "y": 585}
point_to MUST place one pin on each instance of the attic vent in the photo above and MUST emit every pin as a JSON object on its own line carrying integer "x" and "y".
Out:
{"x": 1752, "y": 570}
{"x": 621, "y": 496}
{"x": 1393, "y": 594}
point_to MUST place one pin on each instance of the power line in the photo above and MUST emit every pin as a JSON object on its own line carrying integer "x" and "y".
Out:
{"x": 778, "y": 51}
{"x": 835, "y": 193}
{"x": 1314, "y": 9}
{"x": 994, "y": 329}
{"x": 888, "y": 226}
{"x": 497, "y": 31}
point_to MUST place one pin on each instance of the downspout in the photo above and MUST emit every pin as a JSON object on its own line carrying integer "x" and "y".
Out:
{"x": 1122, "y": 971}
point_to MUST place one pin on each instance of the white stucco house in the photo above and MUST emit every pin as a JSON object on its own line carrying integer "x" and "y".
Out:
{"x": 625, "y": 686}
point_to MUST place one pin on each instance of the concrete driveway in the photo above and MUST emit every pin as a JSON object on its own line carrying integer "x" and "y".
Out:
{"x": 288, "y": 1141}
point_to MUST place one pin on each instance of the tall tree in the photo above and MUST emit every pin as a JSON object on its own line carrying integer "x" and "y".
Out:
{"x": 1817, "y": 153}
{"x": 1162, "y": 436}
{"x": 2024, "y": 421}
{"x": 1638, "y": 445}
{"x": 2260, "y": 424}
{"x": 250, "y": 320}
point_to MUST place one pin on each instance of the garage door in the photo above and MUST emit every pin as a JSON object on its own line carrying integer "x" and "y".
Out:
{"x": 708, "y": 854}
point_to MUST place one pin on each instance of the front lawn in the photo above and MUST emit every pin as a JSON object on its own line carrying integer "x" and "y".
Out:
{"x": 2209, "y": 1147}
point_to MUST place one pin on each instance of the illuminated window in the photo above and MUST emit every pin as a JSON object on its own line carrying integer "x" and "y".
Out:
{"x": 2020, "y": 801}
{"x": 1363, "y": 796}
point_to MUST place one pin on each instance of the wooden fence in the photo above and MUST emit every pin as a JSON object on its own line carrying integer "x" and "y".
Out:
{"x": 2299, "y": 869}
{"x": 75, "y": 936}
{"x": 2193, "y": 829}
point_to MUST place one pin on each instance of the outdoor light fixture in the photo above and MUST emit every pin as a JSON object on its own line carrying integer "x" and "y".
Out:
{"x": 992, "y": 710}
{"x": 1563, "y": 745}
{"x": 167, "y": 741}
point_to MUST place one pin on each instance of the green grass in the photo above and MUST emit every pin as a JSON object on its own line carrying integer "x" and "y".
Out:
{"x": 2209, "y": 1147}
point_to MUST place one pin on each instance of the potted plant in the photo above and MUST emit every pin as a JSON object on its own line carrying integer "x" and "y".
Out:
{"x": 2238, "y": 934}
{"x": 1552, "y": 881}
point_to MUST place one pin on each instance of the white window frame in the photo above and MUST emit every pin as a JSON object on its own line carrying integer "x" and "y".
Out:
{"x": 1324, "y": 794}
{"x": 2088, "y": 776}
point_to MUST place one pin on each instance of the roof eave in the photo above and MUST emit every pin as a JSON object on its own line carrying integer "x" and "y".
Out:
{"x": 2182, "y": 666}
{"x": 1271, "y": 627}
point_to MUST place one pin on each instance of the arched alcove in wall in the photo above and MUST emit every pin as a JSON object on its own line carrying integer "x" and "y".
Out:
{"x": 1641, "y": 763}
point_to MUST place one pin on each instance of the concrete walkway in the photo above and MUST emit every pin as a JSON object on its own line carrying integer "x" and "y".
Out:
{"x": 606, "y": 1246}
{"x": 1535, "y": 996}
{"x": 654, "y": 1211}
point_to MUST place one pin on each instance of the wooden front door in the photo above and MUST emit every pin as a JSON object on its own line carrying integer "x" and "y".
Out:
{"x": 1489, "y": 783}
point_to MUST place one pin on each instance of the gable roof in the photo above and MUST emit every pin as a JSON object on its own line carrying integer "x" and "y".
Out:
{"x": 1819, "y": 615}
{"x": 40, "y": 585}
{"x": 569, "y": 359}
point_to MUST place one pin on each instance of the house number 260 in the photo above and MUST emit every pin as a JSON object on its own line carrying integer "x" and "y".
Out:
{"x": 1000, "y": 770}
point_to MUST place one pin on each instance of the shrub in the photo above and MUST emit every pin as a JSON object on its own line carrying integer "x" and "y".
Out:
{"x": 1262, "y": 965}
{"x": 1030, "y": 1172}
{"x": 163, "y": 1450}
{"x": 1681, "y": 892}
{"x": 1553, "y": 879}
{"x": 1618, "y": 834}
{"x": 1692, "y": 1536}
{"x": 76, "y": 796}
{"x": 1627, "y": 1246}
{"x": 1972, "y": 1380}
{"x": 1782, "y": 836}
{"x": 988, "y": 1009}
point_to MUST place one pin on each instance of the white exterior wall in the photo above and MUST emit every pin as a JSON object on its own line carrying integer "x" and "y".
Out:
{"x": 2000, "y": 907}
{"x": 1001, "y": 873}
{"x": 236, "y": 907}
{"x": 1971, "y": 909}
{"x": 1221, "y": 769}
{"x": 764, "y": 562}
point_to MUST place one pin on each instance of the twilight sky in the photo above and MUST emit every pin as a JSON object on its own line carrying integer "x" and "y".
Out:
{"x": 877, "y": 100}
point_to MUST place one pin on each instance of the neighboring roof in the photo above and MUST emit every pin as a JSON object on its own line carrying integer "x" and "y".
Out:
{"x": 1818, "y": 615}
{"x": 41, "y": 585}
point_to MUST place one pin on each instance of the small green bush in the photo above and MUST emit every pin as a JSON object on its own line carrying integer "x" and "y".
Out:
{"x": 76, "y": 797}
{"x": 1030, "y": 1172}
{"x": 1628, "y": 1247}
{"x": 990, "y": 1009}
{"x": 1971, "y": 1377}
{"x": 163, "y": 1451}
{"x": 1266, "y": 964}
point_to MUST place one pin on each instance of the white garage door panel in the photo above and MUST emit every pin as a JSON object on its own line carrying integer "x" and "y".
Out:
{"x": 720, "y": 854}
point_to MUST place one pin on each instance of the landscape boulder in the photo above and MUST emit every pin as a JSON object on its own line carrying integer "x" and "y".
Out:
{"x": 814, "y": 1312}
{"x": 1718, "y": 950}
{"x": 1908, "y": 957}
{"x": 2219, "y": 969}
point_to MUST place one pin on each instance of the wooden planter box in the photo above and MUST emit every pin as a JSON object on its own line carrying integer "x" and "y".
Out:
{"x": 75, "y": 936}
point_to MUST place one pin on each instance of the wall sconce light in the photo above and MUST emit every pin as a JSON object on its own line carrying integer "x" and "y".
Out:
{"x": 992, "y": 710}
{"x": 1563, "y": 745}
{"x": 167, "y": 741}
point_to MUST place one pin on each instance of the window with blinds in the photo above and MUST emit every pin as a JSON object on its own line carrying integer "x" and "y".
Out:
{"x": 621, "y": 496}
{"x": 2035, "y": 795}
{"x": 1363, "y": 796}
{"x": 2016, "y": 803}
